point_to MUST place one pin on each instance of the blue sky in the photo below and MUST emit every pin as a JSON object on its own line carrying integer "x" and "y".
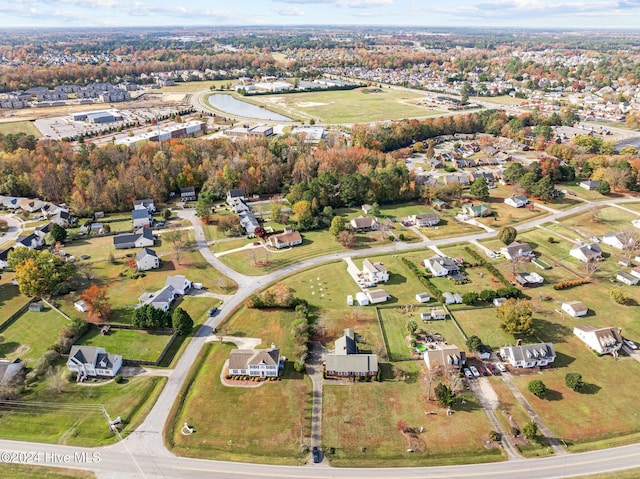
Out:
{"x": 501, "y": 13}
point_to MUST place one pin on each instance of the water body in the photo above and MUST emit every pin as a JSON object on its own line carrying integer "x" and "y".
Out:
{"x": 228, "y": 104}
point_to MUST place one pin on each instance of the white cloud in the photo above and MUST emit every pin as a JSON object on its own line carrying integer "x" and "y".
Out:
{"x": 289, "y": 11}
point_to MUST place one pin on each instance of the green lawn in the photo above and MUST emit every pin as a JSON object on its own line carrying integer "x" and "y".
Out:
{"x": 15, "y": 127}
{"x": 128, "y": 343}
{"x": 360, "y": 423}
{"x": 261, "y": 424}
{"x": 74, "y": 417}
{"x": 31, "y": 334}
{"x": 10, "y": 298}
{"x": 580, "y": 192}
{"x": 361, "y": 104}
{"x": 505, "y": 215}
{"x": 626, "y": 474}
{"x": 482, "y": 322}
{"x": 23, "y": 471}
{"x": 609, "y": 219}
{"x": 194, "y": 86}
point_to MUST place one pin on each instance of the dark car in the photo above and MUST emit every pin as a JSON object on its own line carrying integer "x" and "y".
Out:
{"x": 213, "y": 311}
{"x": 315, "y": 453}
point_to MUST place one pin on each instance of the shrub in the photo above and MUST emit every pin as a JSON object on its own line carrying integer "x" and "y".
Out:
{"x": 494, "y": 436}
{"x": 118, "y": 379}
{"x": 538, "y": 388}
{"x": 401, "y": 236}
{"x": 574, "y": 381}
{"x": 570, "y": 284}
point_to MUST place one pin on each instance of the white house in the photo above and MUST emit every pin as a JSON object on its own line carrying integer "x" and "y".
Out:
{"x": 146, "y": 203}
{"x": 364, "y": 223}
{"x": 81, "y": 306}
{"x": 424, "y": 219}
{"x": 376, "y": 296}
{"x": 444, "y": 356}
{"x": 626, "y": 278}
{"x": 441, "y": 265}
{"x": 374, "y": 273}
{"x": 141, "y": 217}
{"x": 516, "y": 249}
{"x": 601, "y": 340}
{"x": 529, "y": 355}
{"x": 423, "y": 297}
{"x": 517, "y": 201}
{"x": 586, "y": 252}
{"x": 174, "y": 286}
{"x": 147, "y": 259}
{"x": 589, "y": 185}
{"x": 438, "y": 313}
{"x": 235, "y": 193}
{"x": 262, "y": 363}
{"x": 285, "y": 240}
{"x": 617, "y": 240}
{"x": 180, "y": 283}
{"x": 32, "y": 241}
{"x": 574, "y": 309}
{"x": 92, "y": 361}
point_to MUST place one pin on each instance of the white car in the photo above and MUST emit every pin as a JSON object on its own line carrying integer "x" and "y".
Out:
{"x": 501, "y": 367}
{"x": 630, "y": 344}
{"x": 474, "y": 371}
{"x": 467, "y": 373}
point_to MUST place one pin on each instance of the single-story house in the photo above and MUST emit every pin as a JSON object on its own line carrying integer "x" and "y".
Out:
{"x": 575, "y": 309}
{"x": 517, "y": 201}
{"x": 9, "y": 370}
{"x": 529, "y": 355}
{"x": 444, "y": 356}
{"x": 374, "y": 273}
{"x": 81, "y": 306}
{"x": 586, "y": 252}
{"x": 516, "y": 249}
{"x": 92, "y": 361}
{"x": 617, "y": 240}
{"x": 285, "y": 240}
{"x": 235, "y": 193}
{"x": 140, "y": 239}
{"x": 263, "y": 363}
{"x": 601, "y": 340}
{"x": 626, "y": 278}
{"x": 442, "y": 266}
{"x": 424, "y": 219}
{"x": 476, "y": 211}
{"x": 147, "y": 259}
{"x": 423, "y": 297}
{"x": 188, "y": 194}
{"x": 364, "y": 223}
{"x": 345, "y": 362}
{"x": 529, "y": 280}
{"x": 376, "y": 296}
{"x": 141, "y": 217}
{"x": 148, "y": 203}
{"x": 589, "y": 185}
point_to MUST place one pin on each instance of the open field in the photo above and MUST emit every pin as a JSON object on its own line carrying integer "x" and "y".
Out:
{"x": 505, "y": 215}
{"x": 580, "y": 192}
{"x": 499, "y": 100}
{"x": 626, "y": 474}
{"x": 30, "y": 335}
{"x": 23, "y": 471}
{"x": 449, "y": 226}
{"x": 128, "y": 343}
{"x": 10, "y": 298}
{"x": 194, "y": 86}
{"x": 15, "y": 127}
{"x": 369, "y": 437}
{"x": 269, "y": 433}
{"x": 609, "y": 219}
{"x": 74, "y": 417}
{"x": 359, "y": 105}
{"x": 482, "y": 322}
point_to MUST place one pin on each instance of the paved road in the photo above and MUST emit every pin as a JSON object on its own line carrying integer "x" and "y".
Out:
{"x": 15, "y": 225}
{"x": 314, "y": 370}
{"x": 143, "y": 454}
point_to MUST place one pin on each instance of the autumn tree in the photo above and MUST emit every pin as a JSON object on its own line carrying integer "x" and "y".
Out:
{"x": 97, "y": 302}
{"x": 260, "y": 232}
{"x": 337, "y": 225}
{"x": 230, "y": 224}
{"x": 302, "y": 213}
{"x": 346, "y": 239}
{"x": 508, "y": 235}
{"x": 516, "y": 317}
{"x": 41, "y": 273}
{"x": 181, "y": 321}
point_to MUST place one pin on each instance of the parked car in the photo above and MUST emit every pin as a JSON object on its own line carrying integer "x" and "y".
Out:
{"x": 501, "y": 367}
{"x": 631, "y": 344}
{"x": 483, "y": 371}
{"x": 213, "y": 311}
{"x": 474, "y": 371}
{"x": 315, "y": 453}
{"x": 467, "y": 373}
{"x": 491, "y": 368}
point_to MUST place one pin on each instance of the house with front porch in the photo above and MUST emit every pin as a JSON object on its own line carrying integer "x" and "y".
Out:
{"x": 92, "y": 361}
{"x": 601, "y": 340}
{"x": 374, "y": 273}
{"x": 345, "y": 362}
{"x": 424, "y": 219}
{"x": 529, "y": 355}
{"x": 261, "y": 363}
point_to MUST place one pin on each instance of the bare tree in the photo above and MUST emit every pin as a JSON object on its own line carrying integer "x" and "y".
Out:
{"x": 430, "y": 374}
{"x": 630, "y": 239}
{"x": 87, "y": 270}
{"x": 178, "y": 241}
{"x": 456, "y": 383}
{"x": 590, "y": 267}
{"x": 594, "y": 213}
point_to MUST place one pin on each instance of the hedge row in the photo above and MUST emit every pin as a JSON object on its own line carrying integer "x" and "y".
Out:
{"x": 570, "y": 284}
{"x": 434, "y": 291}
{"x": 491, "y": 268}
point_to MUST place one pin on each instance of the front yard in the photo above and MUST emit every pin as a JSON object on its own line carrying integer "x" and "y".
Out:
{"x": 128, "y": 343}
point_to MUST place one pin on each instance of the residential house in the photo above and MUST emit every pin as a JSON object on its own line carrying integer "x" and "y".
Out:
{"x": 376, "y": 296}
{"x": 517, "y": 201}
{"x": 601, "y": 340}
{"x": 147, "y": 259}
{"x": 174, "y": 286}
{"x": 31, "y": 205}
{"x": 179, "y": 283}
{"x": 188, "y": 194}
{"x": 424, "y": 219}
{"x": 575, "y": 309}
{"x": 586, "y": 252}
{"x": 285, "y": 240}
{"x": 262, "y": 363}
{"x": 140, "y": 239}
{"x": 92, "y": 361}
{"x": 476, "y": 211}
{"x": 442, "y": 266}
{"x": 374, "y": 273}
{"x": 9, "y": 371}
{"x": 345, "y": 362}
{"x": 438, "y": 204}
{"x": 141, "y": 217}
{"x": 423, "y": 297}
{"x": 459, "y": 179}
{"x": 516, "y": 249}
{"x": 589, "y": 185}
{"x": 248, "y": 221}
{"x": 33, "y": 241}
{"x": 146, "y": 203}
{"x": 529, "y": 355}
{"x": 626, "y": 278}
{"x": 4, "y": 257}
{"x": 364, "y": 223}
{"x": 444, "y": 356}
{"x": 619, "y": 241}
{"x": 635, "y": 271}
{"x": 366, "y": 209}
{"x": 61, "y": 217}
{"x": 529, "y": 280}
{"x": 235, "y": 193}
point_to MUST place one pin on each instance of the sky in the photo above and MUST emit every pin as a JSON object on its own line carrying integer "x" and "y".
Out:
{"x": 564, "y": 14}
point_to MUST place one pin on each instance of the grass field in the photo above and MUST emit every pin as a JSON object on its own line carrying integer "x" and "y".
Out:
{"x": 128, "y": 343}
{"x": 263, "y": 424}
{"x": 30, "y": 335}
{"x": 23, "y": 471}
{"x": 15, "y": 127}
{"x": 500, "y": 100}
{"x": 193, "y": 86}
{"x": 74, "y": 417}
{"x": 505, "y": 215}
{"x": 369, "y": 437}
{"x": 10, "y": 298}
{"x": 359, "y": 105}
{"x": 482, "y": 322}
{"x": 627, "y": 474}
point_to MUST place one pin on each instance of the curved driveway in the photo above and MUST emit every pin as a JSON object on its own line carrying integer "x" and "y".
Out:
{"x": 143, "y": 453}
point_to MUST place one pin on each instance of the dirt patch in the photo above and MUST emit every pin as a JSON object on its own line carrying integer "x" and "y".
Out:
{"x": 310, "y": 104}
{"x": 412, "y": 438}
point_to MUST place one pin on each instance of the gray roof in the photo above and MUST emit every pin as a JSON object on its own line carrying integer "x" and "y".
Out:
{"x": 8, "y": 369}
{"x": 243, "y": 358}
{"x": 140, "y": 213}
{"x": 236, "y": 192}
{"x": 83, "y": 354}
{"x": 351, "y": 363}
{"x": 528, "y": 352}
{"x": 345, "y": 345}
{"x": 516, "y": 249}
{"x": 144, "y": 252}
